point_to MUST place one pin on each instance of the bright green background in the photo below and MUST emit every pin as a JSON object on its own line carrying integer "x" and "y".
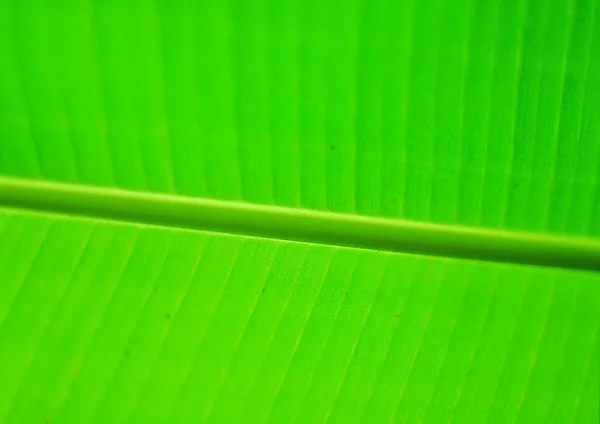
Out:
{"x": 103, "y": 322}
{"x": 470, "y": 112}
{"x": 480, "y": 112}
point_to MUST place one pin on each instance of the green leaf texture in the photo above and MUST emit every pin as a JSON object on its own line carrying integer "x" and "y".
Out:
{"x": 105, "y": 322}
{"x": 465, "y": 120}
{"x": 470, "y": 112}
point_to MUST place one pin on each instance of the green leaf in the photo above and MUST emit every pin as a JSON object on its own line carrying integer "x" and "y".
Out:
{"x": 299, "y": 211}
